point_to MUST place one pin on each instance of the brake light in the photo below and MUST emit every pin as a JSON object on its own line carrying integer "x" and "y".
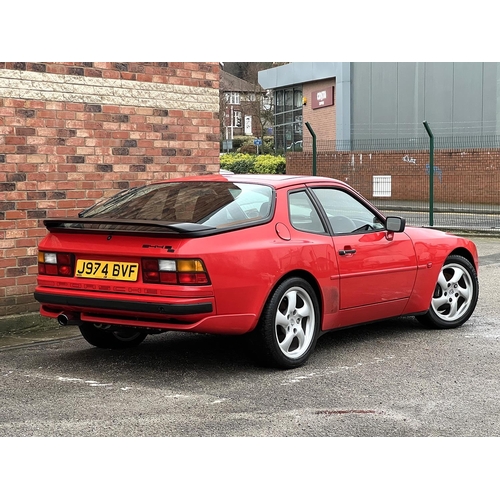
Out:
{"x": 56, "y": 264}
{"x": 174, "y": 271}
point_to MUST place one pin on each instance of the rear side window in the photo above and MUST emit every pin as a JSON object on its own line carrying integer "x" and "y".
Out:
{"x": 214, "y": 204}
{"x": 303, "y": 215}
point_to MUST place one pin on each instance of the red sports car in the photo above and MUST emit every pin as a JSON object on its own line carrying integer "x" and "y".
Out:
{"x": 285, "y": 258}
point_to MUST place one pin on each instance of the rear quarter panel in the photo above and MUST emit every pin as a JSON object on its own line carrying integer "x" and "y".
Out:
{"x": 244, "y": 266}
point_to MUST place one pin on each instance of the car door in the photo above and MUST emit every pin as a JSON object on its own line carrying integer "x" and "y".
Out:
{"x": 376, "y": 266}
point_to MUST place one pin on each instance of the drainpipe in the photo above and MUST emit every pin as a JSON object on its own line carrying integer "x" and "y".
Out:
{"x": 431, "y": 173}
{"x": 311, "y": 131}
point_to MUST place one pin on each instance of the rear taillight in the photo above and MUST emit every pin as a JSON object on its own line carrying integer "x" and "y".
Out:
{"x": 56, "y": 264}
{"x": 174, "y": 271}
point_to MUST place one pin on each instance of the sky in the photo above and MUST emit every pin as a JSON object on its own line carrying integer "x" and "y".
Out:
{"x": 260, "y": 31}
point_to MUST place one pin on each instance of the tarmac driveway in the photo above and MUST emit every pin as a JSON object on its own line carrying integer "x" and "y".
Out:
{"x": 393, "y": 378}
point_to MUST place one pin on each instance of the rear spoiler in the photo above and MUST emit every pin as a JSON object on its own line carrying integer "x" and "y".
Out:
{"x": 80, "y": 223}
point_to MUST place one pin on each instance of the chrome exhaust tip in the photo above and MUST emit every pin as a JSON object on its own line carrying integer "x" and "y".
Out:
{"x": 64, "y": 320}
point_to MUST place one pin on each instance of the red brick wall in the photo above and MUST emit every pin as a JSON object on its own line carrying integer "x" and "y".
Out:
{"x": 323, "y": 119}
{"x": 461, "y": 176}
{"x": 71, "y": 133}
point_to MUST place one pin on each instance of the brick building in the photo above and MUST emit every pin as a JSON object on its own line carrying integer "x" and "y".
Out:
{"x": 241, "y": 106}
{"x": 71, "y": 133}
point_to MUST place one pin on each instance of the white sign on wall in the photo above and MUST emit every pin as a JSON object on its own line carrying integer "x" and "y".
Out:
{"x": 248, "y": 125}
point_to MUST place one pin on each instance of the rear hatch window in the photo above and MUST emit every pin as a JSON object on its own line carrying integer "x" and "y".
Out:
{"x": 178, "y": 206}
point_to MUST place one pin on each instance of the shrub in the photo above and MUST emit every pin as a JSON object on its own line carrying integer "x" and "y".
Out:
{"x": 248, "y": 148}
{"x": 238, "y": 141}
{"x": 241, "y": 163}
{"x": 269, "y": 164}
{"x": 268, "y": 145}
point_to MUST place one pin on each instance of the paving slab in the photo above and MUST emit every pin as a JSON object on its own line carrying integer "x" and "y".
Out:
{"x": 32, "y": 328}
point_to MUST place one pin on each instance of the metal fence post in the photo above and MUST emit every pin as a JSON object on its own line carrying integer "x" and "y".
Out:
{"x": 431, "y": 173}
{"x": 311, "y": 131}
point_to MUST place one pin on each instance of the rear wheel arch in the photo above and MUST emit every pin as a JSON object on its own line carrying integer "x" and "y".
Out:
{"x": 305, "y": 275}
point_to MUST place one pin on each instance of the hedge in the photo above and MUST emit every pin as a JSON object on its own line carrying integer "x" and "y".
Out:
{"x": 241, "y": 163}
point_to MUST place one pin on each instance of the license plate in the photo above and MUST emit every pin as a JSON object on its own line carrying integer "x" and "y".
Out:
{"x": 106, "y": 270}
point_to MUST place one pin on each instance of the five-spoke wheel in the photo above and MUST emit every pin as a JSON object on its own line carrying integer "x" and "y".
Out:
{"x": 289, "y": 325}
{"x": 455, "y": 295}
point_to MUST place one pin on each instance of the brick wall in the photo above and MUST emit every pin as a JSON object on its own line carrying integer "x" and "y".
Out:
{"x": 460, "y": 176}
{"x": 321, "y": 119}
{"x": 71, "y": 133}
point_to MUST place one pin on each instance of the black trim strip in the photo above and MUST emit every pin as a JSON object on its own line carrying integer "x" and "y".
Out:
{"x": 124, "y": 305}
{"x": 179, "y": 227}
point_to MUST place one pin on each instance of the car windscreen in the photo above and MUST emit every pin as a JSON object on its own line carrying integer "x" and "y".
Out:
{"x": 213, "y": 204}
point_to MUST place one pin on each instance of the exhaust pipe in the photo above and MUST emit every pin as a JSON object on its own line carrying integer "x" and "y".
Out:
{"x": 68, "y": 319}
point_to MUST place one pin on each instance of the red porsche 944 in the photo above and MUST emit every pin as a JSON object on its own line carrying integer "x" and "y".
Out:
{"x": 283, "y": 258}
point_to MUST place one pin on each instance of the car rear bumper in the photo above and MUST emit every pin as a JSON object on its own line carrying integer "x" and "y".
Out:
{"x": 123, "y": 305}
{"x": 192, "y": 314}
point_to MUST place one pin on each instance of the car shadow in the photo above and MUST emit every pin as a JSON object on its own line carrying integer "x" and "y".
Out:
{"x": 172, "y": 353}
{"x": 390, "y": 329}
{"x": 185, "y": 355}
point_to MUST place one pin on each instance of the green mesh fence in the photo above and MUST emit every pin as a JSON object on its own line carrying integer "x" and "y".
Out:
{"x": 394, "y": 174}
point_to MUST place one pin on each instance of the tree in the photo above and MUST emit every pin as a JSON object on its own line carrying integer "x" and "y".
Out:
{"x": 260, "y": 109}
{"x": 249, "y": 71}
{"x": 255, "y": 102}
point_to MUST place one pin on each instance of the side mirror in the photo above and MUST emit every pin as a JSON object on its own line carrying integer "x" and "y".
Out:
{"x": 395, "y": 224}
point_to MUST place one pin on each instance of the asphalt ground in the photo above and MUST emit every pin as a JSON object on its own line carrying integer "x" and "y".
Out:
{"x": 393, "y": 379}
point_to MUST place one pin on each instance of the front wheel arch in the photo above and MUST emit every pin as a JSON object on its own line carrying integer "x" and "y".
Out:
{"x": 463, "y": 252}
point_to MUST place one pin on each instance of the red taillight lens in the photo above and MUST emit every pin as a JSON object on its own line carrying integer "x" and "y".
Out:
{"x": 64, "y": 259}
{"x": 150, "y": 271}
{"x": 174, "y": 271}
{"x": 151, "y": 277}
{"x": 169, "y": 278}
{"x": 65, "y": 270}
{"x": 193, "y": 279}
{"x": 56, "y": 264}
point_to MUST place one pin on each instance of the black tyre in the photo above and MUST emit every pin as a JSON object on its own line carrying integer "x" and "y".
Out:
{"x": 288, "y": 328}
{"x": 455, "y": 295}
{"x": 111, "y": 337}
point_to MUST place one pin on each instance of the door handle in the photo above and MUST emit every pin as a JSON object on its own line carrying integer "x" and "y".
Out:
{"x": 347, "y": 251}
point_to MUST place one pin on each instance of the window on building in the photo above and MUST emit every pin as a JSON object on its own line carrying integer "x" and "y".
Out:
{"x": 267, "y": 101}
{"x": 237, "y": 118}
{"x": 287, "y": 118}
{"x": 233, "y": 97}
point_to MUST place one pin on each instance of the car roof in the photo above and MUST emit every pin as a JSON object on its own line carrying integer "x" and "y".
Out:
{"x": 275, "y": 180}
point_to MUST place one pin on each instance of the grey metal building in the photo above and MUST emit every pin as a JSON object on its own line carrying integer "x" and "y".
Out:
{"x": 390, "y": 100}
